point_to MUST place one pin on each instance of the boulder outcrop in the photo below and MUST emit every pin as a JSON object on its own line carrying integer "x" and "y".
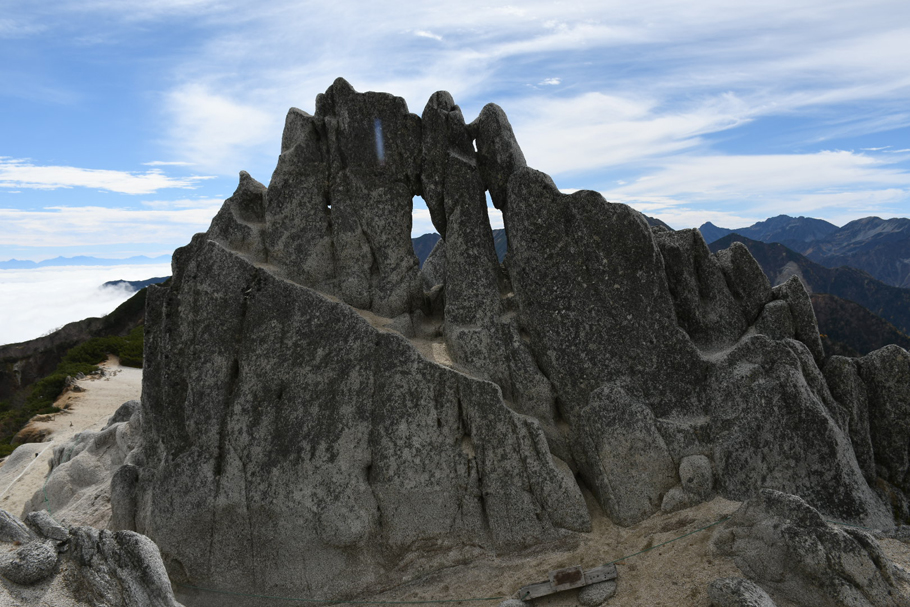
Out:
{"x": 786, "y": 547}
{"x": 50, "y": 564}
{"x": 78, "y": 487}
{"x": 321, "y": 417}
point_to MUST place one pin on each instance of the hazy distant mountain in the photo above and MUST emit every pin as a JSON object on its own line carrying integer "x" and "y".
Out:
{"x": 780, "y": 263}
{"x": 881, "y": 247}
{"x": 711, "y": 232}
{"x": 18, "y": 264}
{"x": 134, "y": 285}
{"x": 794, "y": 232}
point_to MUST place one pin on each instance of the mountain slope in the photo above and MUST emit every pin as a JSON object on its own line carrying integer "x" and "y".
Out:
{"x": 794, "y": 232}
{"x": 135, "y": 285}
{"x": 779, "y": 263}
{"x": 849, "y": 323}
{"x": 881, "y": 247}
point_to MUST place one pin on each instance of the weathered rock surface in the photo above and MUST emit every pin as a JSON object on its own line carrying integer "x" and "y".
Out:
{"x": 886, "y": 374}
{"x": 705, "y": 307}
{"x": 596, "y": 594}
{"x": 80, "y": 567}
{"x": 30, "y": 563}
{"x": 781, "y": 543}
{"x": 498, "y": 153}
{"x": 804, "y": 324}
{"x": 78, "y": 487}
{"x": 737, "y": 592}
{"x": 771, "y": 429}
{"x": 321, "y": 418}
{"x": 401, "y": 453}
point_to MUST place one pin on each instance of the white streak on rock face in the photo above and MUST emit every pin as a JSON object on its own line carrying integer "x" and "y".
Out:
{"x": 380, "y": 145}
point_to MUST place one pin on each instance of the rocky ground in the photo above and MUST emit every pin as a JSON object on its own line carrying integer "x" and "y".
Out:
{"x": 22, "y": 474}
{"x": 675, "y": 573}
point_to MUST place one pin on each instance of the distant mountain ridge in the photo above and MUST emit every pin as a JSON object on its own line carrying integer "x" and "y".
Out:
{"x": 881, "y": 247}
{"x": 81, "y": 260}
{"x": 878, "y": 246}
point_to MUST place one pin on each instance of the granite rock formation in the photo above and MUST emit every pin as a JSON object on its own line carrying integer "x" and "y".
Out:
{"x": 87, "y": 468}
{"x": 321, "y": 417}
{"x": 786, "y": 547}
{"x": 45, "y": 563}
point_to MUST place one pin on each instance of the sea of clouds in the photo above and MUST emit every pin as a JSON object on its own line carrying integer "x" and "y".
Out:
{"x": 36, "y": 302}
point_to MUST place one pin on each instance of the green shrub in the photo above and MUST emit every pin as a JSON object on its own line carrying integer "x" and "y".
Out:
{"x": 131, "y": 348}
{"x": 83, "y": 358}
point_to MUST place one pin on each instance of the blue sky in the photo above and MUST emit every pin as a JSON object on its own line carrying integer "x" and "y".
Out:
{"x": 123, "y": 124}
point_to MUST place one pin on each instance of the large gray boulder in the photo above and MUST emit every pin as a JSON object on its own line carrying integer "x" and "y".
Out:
{"x": 805, "y": 324}
{"x": 785, "y": 546}
{"x": 498, "y": 153}
{"x": 745, "y": 279}
{"x": 81, "y": 567}
{"x": 848, "y": 389}
{"x": 886, "y": 375}
{"x": 338, "y": 208}
{"x": 393, "y": 453}
{"x": 30, "y": 563}
{"x": 770, "y": 428}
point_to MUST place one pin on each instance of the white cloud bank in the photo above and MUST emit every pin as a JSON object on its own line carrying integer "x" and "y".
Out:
{"x": 167, "y": 222}
{"x": 36, "y": 302}
{"x": 22, "y": 174}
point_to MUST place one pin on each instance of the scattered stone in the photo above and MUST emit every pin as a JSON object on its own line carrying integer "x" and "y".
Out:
{"x": 697, "y": 476}
{"x": 43, "y": 524}
{"x": 595, "y": 595}
{"x": 13, "y": 530}
{"x": 676, "y": 499}
{"x": 123, "y": 413}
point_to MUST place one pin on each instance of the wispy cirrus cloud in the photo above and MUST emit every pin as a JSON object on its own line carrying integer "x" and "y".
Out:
{"x": 427, "y": 34}
{"x": 841, "y": 185}
{"x": 16, "y": 173}
{"x": 214, "y": 131}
